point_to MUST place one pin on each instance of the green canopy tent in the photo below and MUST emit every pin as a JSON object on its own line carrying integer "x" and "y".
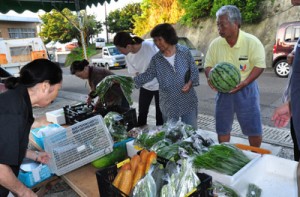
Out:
{"x": 47, "y": 5}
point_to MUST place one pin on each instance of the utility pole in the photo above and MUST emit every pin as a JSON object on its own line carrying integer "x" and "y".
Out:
{"x": 106, "y": 22}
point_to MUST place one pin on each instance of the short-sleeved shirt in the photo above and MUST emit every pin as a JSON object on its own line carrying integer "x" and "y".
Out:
{"x": 139, "y": 62}
{"x": 15, "y": 122}
{"x": 246, "y": 54}
{"x": 173, "y": 102}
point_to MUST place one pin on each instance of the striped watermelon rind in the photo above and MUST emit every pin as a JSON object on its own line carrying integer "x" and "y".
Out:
{"x": 224, "y": 77}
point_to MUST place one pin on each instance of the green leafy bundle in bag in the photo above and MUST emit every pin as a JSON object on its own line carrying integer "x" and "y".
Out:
{"x": 126, "y": 84}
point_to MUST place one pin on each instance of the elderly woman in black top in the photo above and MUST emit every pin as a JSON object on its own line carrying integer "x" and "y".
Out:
{"x": 37, "y": 85}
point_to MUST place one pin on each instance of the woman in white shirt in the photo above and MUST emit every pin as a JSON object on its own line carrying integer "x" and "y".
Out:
{"x": 138, "y": 55}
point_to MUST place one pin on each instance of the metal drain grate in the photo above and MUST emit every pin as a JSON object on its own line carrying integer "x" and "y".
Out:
{"x": 271, "y": 135}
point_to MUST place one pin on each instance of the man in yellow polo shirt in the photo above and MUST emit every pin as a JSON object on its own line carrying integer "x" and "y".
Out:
{"x": 247, "y": 53}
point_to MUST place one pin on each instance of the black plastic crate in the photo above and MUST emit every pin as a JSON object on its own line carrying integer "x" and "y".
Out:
{"x": 106, "y": 176}
{"x": 129, "y": 115}
{"x": 77, "y": 113}
{"x": 130, "y": 118}
{"x": 80, "y": 112}
{"x": 204, "y": 189}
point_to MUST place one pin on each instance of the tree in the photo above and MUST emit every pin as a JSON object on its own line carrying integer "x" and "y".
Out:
{"x": 122, "y": 19}
{"x": 63, "y": 26}
{"x": 56, "y": 27}
{"x": 155, "y": 12}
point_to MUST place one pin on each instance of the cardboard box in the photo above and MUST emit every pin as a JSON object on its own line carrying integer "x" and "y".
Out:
{"x": 56, "y": 116}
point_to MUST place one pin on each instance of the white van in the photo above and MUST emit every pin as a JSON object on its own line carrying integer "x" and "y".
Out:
{"x": 111, "y": 58}
{"x": 100, "y": 43}
{"x": 15, "y": 53}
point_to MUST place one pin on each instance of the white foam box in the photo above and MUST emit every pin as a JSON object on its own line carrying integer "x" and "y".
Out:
{"x": 274, "y": 175}
{"x": 230, "y": 180}
{"x": 56, "y": 116}
{"x": 132, "y": 149}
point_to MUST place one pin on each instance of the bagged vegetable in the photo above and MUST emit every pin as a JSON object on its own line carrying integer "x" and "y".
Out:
{"x": 126, "y": 84}
{"x": 177, "y": 131}
{"x": 146, "y": 187}
{"x": 181, "y": 182}
{"x": 147, "y": 139}
{"x": 220, "y": 189}
{"x": 113, "y": 121}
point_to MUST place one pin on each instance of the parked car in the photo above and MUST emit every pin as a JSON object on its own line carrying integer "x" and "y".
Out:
{"x": 99, "y": 43}
{"x": 197, "y": 55}
{"x": 286, "y": 38}
{"x": 111, "y": 58}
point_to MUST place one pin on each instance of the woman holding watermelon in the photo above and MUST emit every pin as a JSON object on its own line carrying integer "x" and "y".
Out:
{"x": 176, "y": 72}
{"x": 246, "y": 53}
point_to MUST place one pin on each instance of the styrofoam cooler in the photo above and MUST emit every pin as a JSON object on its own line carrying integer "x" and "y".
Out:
{"x": 230, "y": 180}
{"x": 274, "y": 175}
{"x": 85, "y": 141}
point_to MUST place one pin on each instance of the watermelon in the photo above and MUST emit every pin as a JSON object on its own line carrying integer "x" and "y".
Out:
{"x": 224, "y": 77}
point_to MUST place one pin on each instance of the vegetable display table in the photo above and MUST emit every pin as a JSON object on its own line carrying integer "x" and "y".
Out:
{"x": 82, "y": 180}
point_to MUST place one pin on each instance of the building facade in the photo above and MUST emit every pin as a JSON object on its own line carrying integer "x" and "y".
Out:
{"x": 15, "y": 27}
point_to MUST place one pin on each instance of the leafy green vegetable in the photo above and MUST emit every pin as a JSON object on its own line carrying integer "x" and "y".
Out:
{"x": 223, "y": 158}
{"x": 125, "y": 82}
{"x": 116, "y": 128}
{"x": 147, "y": 140}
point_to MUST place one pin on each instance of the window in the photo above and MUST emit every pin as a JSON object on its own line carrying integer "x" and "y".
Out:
{"x": 297, "y": 33}
{"x": 21, "y": 32}
{"x": 114, "y": 51}
{"x": 292, "y": 33}
{"x": 288, "y": 34}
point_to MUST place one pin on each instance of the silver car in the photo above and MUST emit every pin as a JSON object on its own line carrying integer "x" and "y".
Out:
{"x": 197, "y": 55}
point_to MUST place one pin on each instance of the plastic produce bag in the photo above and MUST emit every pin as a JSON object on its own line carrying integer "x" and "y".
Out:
{"x": 181, "y": 182}
{"x": 147, "y": 139}
{"x": 113, "y": 121}
{"x": 223, "y": 191}
{"x": 145, "y": 187}
{"x": 126, "y": 84}
{"x": 177, "y": 131}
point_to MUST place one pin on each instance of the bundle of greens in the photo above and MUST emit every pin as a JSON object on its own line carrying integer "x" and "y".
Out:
{"x": 148, "y": 139}
{"x": 223, "y": 158}
{"x": 125, "y": 82}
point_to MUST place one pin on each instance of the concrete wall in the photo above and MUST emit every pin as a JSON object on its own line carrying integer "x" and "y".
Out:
{"x": 204, "y": 31}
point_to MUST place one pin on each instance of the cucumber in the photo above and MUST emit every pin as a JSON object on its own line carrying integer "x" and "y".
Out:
{"x": 118, "y": 154}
